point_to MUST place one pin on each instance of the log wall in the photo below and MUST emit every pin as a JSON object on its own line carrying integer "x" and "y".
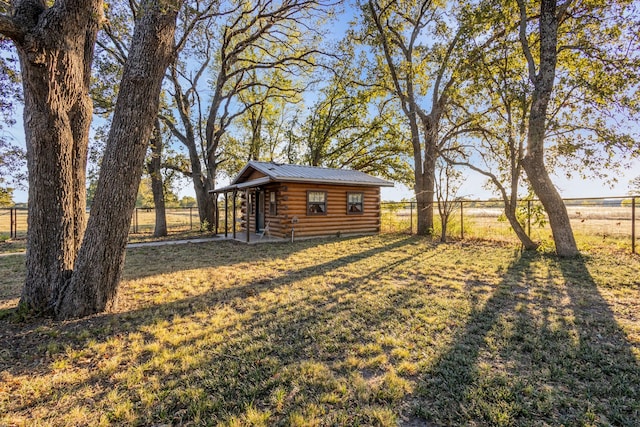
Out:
{"x": 292, "y": 202}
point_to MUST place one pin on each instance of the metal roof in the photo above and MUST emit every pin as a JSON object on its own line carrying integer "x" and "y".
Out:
{"x": 277, "y": 172}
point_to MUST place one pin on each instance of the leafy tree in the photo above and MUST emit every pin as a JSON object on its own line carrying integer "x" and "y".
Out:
{"x": 448, "y": 184}
{"x": 350, "y": 126}
{"x": 6, "y": 197}
{"x": 71, "y": 273}
{"x": 261, "y": 132}
{"x": 111, "y": 55}
{"x": 253, "y": 40}
{"x": 584, "y": 82}
{"x": 498, "y": 93}
{"x": 188, "y": 202}
{"x": 419, "y": 50}
{"x": 634, "y": 186}
{"x": 12, "y": 157}
{"x": 12, "y": 161}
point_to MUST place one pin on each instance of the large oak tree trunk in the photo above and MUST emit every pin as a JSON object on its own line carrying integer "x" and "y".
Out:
{"x": 533, "y": 161}
{"x": 553, "y": 204}
{"x": 426, "y": 180}
{"x": 205, "y": 201}
{"x": 424, "y": 189}
{"x": 94, "y": 283}
{"x": 55, "y": 46}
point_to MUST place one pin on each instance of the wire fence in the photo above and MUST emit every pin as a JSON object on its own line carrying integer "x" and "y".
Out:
{"x": 595, "y": 221}
{"x": 13, "y": 221}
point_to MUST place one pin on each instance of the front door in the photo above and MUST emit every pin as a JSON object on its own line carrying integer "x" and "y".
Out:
{"x": 259, "y": 210}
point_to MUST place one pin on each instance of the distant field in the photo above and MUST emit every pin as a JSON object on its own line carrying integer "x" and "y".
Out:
{"x": 599, "y": 225}
{"x": 389, "y": 330}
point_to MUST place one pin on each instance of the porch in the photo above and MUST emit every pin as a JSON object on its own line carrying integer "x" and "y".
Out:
{"x": 252, "y": 238}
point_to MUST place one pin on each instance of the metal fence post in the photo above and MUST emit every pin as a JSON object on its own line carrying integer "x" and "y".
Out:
{"x": 12, "y": 233}
{"x": 411, "y": 218}
{"x": 461, "y": 220}
{"x": 135, "y": 223}
{"x": 633, "y": 225}
{"x": 529, "y": 218}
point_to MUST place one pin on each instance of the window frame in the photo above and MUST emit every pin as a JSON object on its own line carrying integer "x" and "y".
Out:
{"x": 273, "y": 203}
{"x": 309, "y": 203}
{"x": 361, "y": 203}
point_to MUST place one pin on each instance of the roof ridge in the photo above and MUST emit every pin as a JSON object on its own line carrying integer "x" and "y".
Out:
{"x": 305, "y": 166}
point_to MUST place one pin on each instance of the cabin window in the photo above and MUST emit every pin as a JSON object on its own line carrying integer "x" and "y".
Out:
{"x": 316, "y": 202}
{"x": 252, "y": 203}
{"x": 272, "y": 203}
{"x": 355, "y": 203}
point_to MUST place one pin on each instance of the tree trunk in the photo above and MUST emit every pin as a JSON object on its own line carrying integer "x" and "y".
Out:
{"x": 210, "y": 207}
{"x": 533, "y": 161}
{"x": 94, "y": 283}
{"x": 444, "y": 220}
{"x": 425, "y": 190}
{"x": 205, "y": 208}
{"x": 154, "y": 167}
{"x": 553, "y": 204}
{"x": 510, "y": 213}
{"x": 55, "y": 46}
{"x": 424, "y": 203}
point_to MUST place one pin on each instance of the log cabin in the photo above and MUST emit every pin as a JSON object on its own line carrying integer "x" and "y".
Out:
{"x": 286, "y": 200}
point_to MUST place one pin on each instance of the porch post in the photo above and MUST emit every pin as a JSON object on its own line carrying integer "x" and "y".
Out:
{"x": 216, "y": 213}
{"x": 226, "y": 214}
{"x": 248, "y": 212}
{"x": 235, "y": 193}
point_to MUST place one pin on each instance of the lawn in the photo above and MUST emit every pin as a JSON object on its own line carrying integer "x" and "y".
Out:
{"x": 384, "y": 330}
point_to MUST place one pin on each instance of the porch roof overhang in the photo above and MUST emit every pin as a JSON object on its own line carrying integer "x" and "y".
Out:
{"x": 242, "y": 186}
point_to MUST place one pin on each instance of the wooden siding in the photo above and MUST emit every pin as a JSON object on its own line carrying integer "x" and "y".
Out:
{"x": 292, "y": 202}
{"x": 254, "y": 175}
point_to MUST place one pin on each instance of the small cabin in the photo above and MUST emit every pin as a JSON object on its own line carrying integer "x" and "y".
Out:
{"x": 284, "y": 201}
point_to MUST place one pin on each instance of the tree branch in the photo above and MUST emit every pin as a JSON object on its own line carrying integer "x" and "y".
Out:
{"x": 524, "y": 42}
{"x": 10, "y": 29}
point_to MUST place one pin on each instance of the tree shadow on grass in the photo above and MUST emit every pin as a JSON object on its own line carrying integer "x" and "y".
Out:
{"x": 153, "y": 260}
{"x": 17, "y": 338}
{"x": 544, "y": 348}
{"x": 244, "y": 364}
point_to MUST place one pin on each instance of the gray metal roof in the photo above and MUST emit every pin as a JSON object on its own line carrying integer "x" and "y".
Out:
{"x": 277, "y": 172}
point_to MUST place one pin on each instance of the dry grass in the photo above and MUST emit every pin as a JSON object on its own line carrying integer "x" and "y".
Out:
{"x": 385, "y": 330}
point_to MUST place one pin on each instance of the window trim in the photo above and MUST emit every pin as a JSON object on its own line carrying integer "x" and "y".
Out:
{"x": 273, "y": 204}
{"x": 309, "y": 212}
{"x": 361, "y": 203}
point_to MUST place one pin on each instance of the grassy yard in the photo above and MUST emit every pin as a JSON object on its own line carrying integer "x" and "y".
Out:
{"x": 385, "y": 330}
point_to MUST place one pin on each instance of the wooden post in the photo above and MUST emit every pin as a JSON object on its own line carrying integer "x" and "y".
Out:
{"x": 135, "y": 227}
{"x": 190, "y": 218}
{"x": 226, "y": 214}
{"x": 216, "y": 214}
{"x": 235, "y": 194}
{"x": 248, "y": 212}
